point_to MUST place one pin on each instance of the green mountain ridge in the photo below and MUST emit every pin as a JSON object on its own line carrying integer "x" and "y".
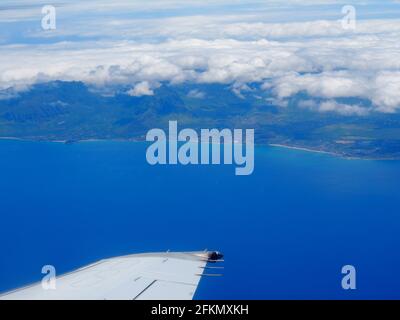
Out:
{"x": 73, "y": 111}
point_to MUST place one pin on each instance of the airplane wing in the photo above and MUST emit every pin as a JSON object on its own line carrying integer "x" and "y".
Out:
{"x": 151, "y": 276}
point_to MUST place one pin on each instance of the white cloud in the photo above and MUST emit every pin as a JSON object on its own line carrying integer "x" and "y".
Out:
{"x": 333, "y": 106}
{"x": 196, "y": 94}
{"x": 386, "y": 95}
{"x": 326, "y": 84}
{"x": 344, "y": 109}
{"x": 141, "y": 89}
{"x": 382, "y": 88}
{"x": 239, "y": 88}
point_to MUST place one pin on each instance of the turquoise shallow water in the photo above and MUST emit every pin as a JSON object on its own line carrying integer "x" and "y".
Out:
{"x": 286, "y": 230}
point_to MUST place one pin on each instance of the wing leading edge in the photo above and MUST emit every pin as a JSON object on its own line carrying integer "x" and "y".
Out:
{"x": 151, "y": 276}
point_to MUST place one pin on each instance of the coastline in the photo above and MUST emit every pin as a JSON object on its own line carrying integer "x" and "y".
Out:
{"x": 274, "y": 145}
{"x": 335, "y": 154}
{"x": 66, "y": 141}
{"x": 303, "y": 149}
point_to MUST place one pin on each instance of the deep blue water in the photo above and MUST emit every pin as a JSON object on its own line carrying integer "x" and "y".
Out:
{"x": 286, "y": 231}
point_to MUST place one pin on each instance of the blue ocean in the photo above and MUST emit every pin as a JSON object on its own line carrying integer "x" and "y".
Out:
{"x": 286, "y": 231}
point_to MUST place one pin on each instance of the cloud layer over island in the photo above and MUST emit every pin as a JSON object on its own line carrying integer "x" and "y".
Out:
{"x": 211, "y": 43}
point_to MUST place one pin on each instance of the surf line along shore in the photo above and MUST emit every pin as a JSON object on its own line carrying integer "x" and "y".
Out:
{"x": 188, "y": 147}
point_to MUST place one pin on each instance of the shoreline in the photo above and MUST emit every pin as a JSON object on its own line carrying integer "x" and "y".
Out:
{"x": 274, "y": 145}
{"x": 335, "y": 154}
{"x": 66, "y": 141}
{"x": 303, "y": 149}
